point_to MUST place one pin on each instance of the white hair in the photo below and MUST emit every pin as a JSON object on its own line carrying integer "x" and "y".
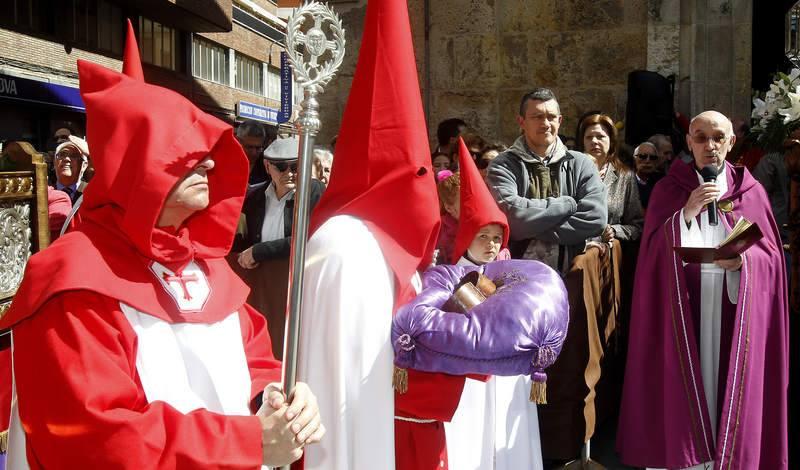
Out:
{"x": 645, "y": 144}
{"x": 323, "y": 155}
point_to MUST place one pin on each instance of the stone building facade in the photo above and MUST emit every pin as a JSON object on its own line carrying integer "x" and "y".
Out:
{"x": 476, "y": 58}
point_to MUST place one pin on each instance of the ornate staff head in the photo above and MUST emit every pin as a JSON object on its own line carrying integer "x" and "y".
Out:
{"x": 315, "y": 45}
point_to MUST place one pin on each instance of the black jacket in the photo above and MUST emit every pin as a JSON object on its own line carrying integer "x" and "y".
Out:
{"x": 253, "y": 209}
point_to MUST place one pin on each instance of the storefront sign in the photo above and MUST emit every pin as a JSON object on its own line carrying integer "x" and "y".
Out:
{"x": 256, "y": 112}
{"x": 34, "y": 91}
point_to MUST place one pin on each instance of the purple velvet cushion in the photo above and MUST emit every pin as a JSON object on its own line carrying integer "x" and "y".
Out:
{"x": 517, "y": 331}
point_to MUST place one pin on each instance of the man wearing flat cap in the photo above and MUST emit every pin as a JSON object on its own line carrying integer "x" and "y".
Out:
{"x": 71, "y": 161}
{"x": 266, "y": 241}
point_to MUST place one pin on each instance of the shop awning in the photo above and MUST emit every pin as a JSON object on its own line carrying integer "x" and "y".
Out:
{"x": 39, "y": 92}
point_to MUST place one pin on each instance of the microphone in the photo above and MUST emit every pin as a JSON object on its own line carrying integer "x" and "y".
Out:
{"x": 709, "y": 174}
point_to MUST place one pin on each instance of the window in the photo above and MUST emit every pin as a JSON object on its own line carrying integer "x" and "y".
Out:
{"x": 158, "y": 44}
{"x": 209, "y": 60}
{"x": 88, "y": 24}
{"x": 109, "y": 27}
{"x": 274, "y": 84}
{"x": 249, "y": 75}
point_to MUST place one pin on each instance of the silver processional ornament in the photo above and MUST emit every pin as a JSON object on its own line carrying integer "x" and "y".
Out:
{"x": 315, "y": 45}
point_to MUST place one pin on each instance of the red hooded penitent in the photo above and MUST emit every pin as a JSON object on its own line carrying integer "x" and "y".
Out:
{"x": 82, "y": 399}
{"x": 382, "y": 175}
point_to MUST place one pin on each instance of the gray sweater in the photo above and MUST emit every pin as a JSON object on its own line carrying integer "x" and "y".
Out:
{"x": 566, "y": 221}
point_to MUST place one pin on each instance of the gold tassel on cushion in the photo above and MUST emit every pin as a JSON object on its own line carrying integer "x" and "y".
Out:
{"x": 539, "y": 393}
{"x": 4, "y": 442}
{"x": 545, "y": 357}
{"x": 400, "y": 380}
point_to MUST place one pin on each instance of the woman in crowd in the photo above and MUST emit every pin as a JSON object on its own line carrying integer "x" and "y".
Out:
{"x": 441, "y": 162}
{"x": 449, "y": 186}
{"x": 597, "y": 136}
{"x": 489, "y": 153}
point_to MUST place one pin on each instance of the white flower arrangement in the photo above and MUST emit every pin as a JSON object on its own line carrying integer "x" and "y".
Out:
{"x": 777, "y": 113}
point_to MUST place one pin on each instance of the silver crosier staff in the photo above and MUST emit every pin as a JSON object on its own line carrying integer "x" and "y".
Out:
{"x": 315, "y": 45}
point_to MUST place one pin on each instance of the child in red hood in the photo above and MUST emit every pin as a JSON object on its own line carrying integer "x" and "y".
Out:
{"x": 480, "y": 433}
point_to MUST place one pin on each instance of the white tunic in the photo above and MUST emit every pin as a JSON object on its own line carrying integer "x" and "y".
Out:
{"x": 272, "y": 228}
{"x": 495, "y": 426}
{"x": 714, "y": 283}
{"x": 174, "y": 361}
{"x": 345, "y": 351}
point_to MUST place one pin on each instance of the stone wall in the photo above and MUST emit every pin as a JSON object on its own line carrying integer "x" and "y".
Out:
{"x": 476, "y": 58}
{"x": 334, "y": 100}
{"x": 488, "y": 53}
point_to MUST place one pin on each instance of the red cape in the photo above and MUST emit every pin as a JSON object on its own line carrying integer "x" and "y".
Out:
{"x": 664, "y": 420}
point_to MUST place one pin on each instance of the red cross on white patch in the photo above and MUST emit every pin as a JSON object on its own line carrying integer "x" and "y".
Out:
{"x": 189, "y": 288}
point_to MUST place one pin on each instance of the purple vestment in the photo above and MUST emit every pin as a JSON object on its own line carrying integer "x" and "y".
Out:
{"x": 664, "y": 420}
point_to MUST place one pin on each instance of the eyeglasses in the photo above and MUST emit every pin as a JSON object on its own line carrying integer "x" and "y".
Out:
{"x": 65, "y": 155}
{"x": 702, "y": 139}
{"x": 647, "y": 156}
{"x": 283, "y": 166}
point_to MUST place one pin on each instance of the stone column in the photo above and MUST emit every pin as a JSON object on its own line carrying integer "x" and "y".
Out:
{"x": 715, "y": 56}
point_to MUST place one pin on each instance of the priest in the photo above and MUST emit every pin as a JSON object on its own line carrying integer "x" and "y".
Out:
{"x": 707, "y": 372}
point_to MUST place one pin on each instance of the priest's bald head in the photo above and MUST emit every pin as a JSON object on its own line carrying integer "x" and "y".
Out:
{"x": 710, "y": 138}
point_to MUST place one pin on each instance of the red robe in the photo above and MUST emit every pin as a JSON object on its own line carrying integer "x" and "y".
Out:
{"x": 82, "y": 397}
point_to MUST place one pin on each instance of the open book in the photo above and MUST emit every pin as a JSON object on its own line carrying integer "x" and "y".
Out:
{"x": 742, "y": 237}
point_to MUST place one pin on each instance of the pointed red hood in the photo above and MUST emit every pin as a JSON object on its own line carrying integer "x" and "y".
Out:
{"x": 144, "y": 139}
{"x": 131, "y": 63}
{"x": 382, "y": 171}
{"x": 478, "y": 208}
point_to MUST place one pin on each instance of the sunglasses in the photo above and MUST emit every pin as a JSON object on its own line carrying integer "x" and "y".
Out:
{"x": 283, "y": 166}
{"x": 646, "y": 156}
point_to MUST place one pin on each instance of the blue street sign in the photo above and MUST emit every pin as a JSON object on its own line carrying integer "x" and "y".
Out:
{"x": 286, "y": 89}
{"x": 256, "y": 112}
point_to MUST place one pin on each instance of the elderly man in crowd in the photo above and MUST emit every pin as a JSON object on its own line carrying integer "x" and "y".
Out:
{"x": 646, "y": 158}
{"x": 269, "y": 215}
{"x": 71, "y": 161}
{"x": 553, "y": 197}
{"x": 707, "y": 371}
{"x": 254, "y": 137}
{"x": 323, "y": 160}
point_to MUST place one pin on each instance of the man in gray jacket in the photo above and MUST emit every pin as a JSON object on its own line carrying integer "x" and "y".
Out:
{"x": 553, "y": 197}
